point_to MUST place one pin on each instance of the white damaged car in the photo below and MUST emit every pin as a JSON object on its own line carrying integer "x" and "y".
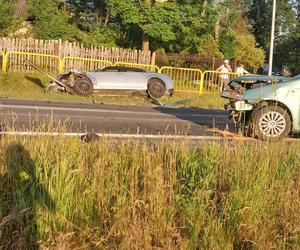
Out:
{"x": 115, "y": 78}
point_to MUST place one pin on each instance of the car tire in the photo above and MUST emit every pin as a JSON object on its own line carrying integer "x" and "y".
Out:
{"x": 83, "y": 86}
{"x": 156, "y": 88}
{"x": 269, "y": 123}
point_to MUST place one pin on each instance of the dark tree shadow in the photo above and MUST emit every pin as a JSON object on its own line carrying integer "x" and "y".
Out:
{"x": 36, "y": 81}
{"x": 209, "y": 118}
{"x": 21, "y": 192}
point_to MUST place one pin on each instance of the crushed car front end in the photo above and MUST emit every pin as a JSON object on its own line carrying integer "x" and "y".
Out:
{"x": 265, "y": 110}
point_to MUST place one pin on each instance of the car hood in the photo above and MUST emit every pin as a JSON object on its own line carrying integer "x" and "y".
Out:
{"x": 270, "y": 91}
{"x": 264, "y": 78}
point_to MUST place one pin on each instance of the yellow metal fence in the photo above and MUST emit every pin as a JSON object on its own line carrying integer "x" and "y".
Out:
{"x": 185, "y": 79}
{"x": 2, "y": 55}
{"x": 14, "y": 61}
{"x": 215, "y": 80}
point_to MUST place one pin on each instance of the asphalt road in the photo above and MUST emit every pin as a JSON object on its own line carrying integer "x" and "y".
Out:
{"x": 32, "y": 115}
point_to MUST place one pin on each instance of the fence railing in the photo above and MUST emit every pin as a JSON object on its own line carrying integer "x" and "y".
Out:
{"x": 215, "y": 80}
{"x": 14, "y": 61}
{"x": 185, "y": 79}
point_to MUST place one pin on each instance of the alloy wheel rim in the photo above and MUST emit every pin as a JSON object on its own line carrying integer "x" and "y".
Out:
{"x": 272, "y": 124}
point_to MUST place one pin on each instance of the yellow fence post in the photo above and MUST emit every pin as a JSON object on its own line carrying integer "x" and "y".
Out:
{"x": 3, "y": 61}
{"x": 61, "y": 65}
{"x": 201, "y": 83}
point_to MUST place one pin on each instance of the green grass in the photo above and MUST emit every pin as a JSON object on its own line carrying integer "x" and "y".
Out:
{"x": 60, "y": 193}
{"x": 31, "y": 86}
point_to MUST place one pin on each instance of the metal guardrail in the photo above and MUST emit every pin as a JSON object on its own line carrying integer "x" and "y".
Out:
{"x": 14, "y": 61}
{"x": 71, "y": 62}
{"x": 137, "y": 65}
{"x": 215, "y": 80}
{"x": 185, "y": 79}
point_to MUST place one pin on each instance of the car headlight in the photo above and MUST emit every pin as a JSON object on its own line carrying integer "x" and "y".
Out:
{"x": 231, "y": 94}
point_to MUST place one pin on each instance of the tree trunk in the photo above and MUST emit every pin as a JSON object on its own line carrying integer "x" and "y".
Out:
{"x": 204, "y": 8}
{"x": 299, "y": 10}
{"x": 217, "y": 28}
{"x": 218, "y": 21}
{"x": 106, "y": 18}
{"x": 145, "y": 43}
{"x": 20, "y": 7}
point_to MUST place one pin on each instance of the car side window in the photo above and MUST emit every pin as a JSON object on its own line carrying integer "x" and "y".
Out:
{"x": 112, "y": 70}
{"x": 108, "y": 69}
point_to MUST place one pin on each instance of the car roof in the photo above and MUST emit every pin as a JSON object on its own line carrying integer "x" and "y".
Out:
{"x": 259, "y": 78}
{"x": 123, "y": 69}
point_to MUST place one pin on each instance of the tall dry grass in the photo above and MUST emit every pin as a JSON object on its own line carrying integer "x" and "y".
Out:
{"x": 60, "y": 193}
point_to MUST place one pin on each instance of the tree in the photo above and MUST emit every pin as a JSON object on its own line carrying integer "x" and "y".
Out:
{"x": 8, "y": 20}
{"x": 51, "y": 22}
{"x": 209, "y": 47}
{"x": 153, "y": 20}
{"x": 259, "y": 13}
{"x": 247, "y": 52}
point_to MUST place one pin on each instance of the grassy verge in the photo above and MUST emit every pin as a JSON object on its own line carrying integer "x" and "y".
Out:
{"x": 60, "y": 193}
{"x": 19, "y": 85}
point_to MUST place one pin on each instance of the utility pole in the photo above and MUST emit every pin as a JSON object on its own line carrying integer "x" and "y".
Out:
{"x": 272, "y": 38}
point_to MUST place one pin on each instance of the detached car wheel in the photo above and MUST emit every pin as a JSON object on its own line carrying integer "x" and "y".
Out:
{"x": 83, "y": 86}
{"x": 270, "y": 123}
{"x": 156, "y": 88}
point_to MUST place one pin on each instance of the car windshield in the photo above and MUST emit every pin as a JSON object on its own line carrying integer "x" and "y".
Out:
{"x": 296, "y": 77}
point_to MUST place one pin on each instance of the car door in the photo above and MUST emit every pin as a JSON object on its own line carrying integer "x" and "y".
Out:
{"x": 109, "y": 79}
{"x": 136, "y": 80}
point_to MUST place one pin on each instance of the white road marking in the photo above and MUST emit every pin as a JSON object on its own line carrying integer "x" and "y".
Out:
{"x": 120, "y": 136}
{"x": 106, "y": 111}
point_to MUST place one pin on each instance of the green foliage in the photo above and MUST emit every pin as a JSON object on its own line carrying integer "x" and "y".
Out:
{"x": 8, "y": 21}
{"x": 161, "y": 21}
{"x": 102, "y": 36}
{"x": 208, "y": 47}
{"x": 158, "y": 21}
{"x": 227, "y": 43}
{"x": 51, "y": 22}
{"x": 287, "y": 27}
{"x": 246, "y": 49}
{"x": 104, "y": 195}
{"x": 247, "y": 52}
{"x": 259, "y": 12}
{"x": 289, "y": 52}
{"x": 57, "y": 27}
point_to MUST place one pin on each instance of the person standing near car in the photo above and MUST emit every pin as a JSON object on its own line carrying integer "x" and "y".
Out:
{"x": 240, "y": 70}
{"x": 224, "y": 77}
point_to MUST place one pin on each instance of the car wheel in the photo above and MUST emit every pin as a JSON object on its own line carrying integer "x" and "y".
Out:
{"x": 270, "y": 123}
{"x": 156, "y": 88}
{"x": 83, "y": 86}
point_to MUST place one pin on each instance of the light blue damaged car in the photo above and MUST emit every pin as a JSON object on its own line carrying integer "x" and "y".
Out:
{"x": 267, "y": 108}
